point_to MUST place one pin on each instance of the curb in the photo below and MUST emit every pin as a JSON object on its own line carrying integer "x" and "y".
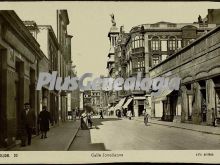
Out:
{"x": 184, "y": 128}
{"x": 72, "y": 139}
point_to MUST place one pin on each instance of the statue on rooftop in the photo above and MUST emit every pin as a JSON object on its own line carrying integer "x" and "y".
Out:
{"x": 113, "y": 19}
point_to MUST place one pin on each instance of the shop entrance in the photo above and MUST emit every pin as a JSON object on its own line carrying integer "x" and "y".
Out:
{"x": 203, "y": 100}
{"x": 140, "y": 107}
{"x": 173, "y": 104}
{"x": 140, "y": 110}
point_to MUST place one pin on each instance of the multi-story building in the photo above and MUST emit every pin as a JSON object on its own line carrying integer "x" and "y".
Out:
{"x": 46, "y": 37}
{"x": 64, "y": 58}
{"x": 75, "y": 94}
{"x": 96, "y": 100}
{"x": 146, "y": 46}
{"x": 112, "y": 35}
{"x": 49, "y": 45}
{"x": 197, "y": 101}
{"x": 19, "y": 60}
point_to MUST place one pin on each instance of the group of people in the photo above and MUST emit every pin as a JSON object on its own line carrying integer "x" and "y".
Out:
{"x": 88, "y": 117}
{"x": 89, "y": 121}
{"x": 28, "y": 123}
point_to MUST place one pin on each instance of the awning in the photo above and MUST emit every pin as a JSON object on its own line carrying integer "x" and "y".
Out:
{"x": 162, "y": 95}
{"x": 127, "y": 103}
{"x": 120, "y": 103}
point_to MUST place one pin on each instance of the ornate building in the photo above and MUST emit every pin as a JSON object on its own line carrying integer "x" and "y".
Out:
{"x": 146, "y": 46}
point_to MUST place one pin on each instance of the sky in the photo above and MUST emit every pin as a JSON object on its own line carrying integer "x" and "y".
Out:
{"x": 90, "y": 23}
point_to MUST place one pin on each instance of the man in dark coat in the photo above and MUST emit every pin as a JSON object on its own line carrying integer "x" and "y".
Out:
{"x": 44, "y": 120}
{"x": 101, "y": 114}
{"x": 28, "y": 119}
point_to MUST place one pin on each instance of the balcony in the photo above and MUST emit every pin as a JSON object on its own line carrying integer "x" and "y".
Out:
{"x": 138, "y": 50}
{"x": 136, "y": 70}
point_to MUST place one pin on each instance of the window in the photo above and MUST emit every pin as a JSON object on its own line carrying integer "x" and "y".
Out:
{"x": 137, "y": 42}
{"x": 171, "y": 25}
{"x": 164, "y": 56}
{"x": 155, "y": 43}
{"x": 179, "y": 44}
{"x": 138, "y": 65}
{"x": 172, "y": 43}
{"x": 164, "y": 46}
{"x": 155, "y": 60}
{"x": 154, "y": 25}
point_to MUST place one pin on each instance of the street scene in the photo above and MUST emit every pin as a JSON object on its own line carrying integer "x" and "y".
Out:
{"x": 110, "y": 76}
{"x": 123, "y": 134}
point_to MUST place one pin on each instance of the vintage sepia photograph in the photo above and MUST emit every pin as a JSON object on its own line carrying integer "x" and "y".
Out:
{"x": 109, "y": 79}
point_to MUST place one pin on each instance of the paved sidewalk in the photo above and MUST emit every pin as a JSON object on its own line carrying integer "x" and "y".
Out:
{"x": 193, "y": 127}
{"x": 59, "y": 138}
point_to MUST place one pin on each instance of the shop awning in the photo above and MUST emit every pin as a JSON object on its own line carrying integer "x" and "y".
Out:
{"x": 120, "y": 103}
{"x": 127, "y": 103}
{"x": 162, "y": 95}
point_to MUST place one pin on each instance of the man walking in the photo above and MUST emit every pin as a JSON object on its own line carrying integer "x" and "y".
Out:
{"x": 44, "y": 121}
{"x": 28, "y": 119}
{"x": 101, "y": 114}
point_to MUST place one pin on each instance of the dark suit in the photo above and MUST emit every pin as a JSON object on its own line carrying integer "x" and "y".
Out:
{"x": 27, "y": 125}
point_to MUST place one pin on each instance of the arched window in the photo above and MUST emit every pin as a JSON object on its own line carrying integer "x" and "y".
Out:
{"x": 136, "y": 40}
{"x": 172, "y": 43}
{"x": 155, "y": 43}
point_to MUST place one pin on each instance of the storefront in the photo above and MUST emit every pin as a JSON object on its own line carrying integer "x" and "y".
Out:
{"x": 20, "y": 54}
{"x": 167, "y": 105}
{"x": 139, "y": 105}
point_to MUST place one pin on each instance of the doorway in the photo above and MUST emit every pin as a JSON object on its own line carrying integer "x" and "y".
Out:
{"x": 203, "y": 100}
{"x": 140, "y": 110}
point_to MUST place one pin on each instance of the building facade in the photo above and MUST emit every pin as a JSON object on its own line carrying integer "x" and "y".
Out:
{"x": 64, "y": 58}
{"x": 19, "y": 60}
{"x": 197, "y": 100}
{"x": 26, "y": 50}
{"x": 144, "y": 47}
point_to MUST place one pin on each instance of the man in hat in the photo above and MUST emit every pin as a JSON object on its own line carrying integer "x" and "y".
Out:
{"x": 28, "y": 119}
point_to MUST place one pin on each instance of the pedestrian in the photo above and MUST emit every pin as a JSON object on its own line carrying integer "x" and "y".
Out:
{"x": 44, "y": 120}
{"x": 101, "y": 115}
{"x": 214, "y": 119}
{"x": 118, "y": 113}
{"x": 146, "y": 118}
{"x": 28, "y": 119}
{"x": 129, "y": 114}
{"x": 125, "y": 112}
{"x": 89, "y": 119}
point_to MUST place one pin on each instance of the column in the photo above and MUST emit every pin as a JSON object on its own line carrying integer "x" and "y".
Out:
{"x": 184, "y": 104}
{"x": 210, "y": 99}
{"x": 196, "y": 113}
